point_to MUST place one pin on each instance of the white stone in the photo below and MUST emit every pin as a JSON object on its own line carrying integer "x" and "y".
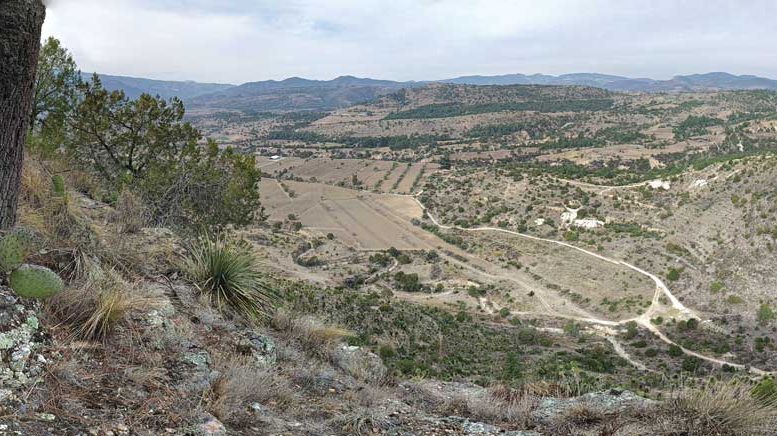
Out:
{"x": 588, "y": 223}
{"x": 659, "y": 184}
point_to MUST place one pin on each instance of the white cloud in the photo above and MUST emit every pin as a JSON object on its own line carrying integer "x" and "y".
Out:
{"x": 242, "y": 40}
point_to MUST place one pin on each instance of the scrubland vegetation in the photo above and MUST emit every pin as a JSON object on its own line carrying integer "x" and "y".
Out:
{"x": 394, "y": 284}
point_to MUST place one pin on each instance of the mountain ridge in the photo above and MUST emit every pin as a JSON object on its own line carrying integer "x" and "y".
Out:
{"x": 296, "y": 93}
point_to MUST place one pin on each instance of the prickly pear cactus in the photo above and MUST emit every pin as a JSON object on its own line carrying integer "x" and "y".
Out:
{"x": 58, "y": 184}
{"x": 12, "y": 252}
{"x": 33, "y": 281}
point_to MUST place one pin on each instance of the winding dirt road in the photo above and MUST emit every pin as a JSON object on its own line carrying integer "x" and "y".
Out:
{"x": 656, "y": 307}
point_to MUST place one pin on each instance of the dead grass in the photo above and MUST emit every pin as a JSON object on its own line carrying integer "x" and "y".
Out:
{"x": 130, "y": 213}
{"x": 242, "y": 383}
{"x": 103, "y": 301}
{"x": 720, "y": 408}
{"x": 362, "y": 421}
{"x": 314, "y": 337}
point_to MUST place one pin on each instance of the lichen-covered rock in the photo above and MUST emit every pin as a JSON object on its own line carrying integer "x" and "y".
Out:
{"x": 20, "y": 337}
{"x": 33, "y": 281}
{"x": 612, "y": 400}
{"x": 261, "y": 347}
{"x": 360, "y": 364}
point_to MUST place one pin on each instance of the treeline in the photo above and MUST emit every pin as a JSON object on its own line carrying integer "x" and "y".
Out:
{"x": 536, "y": 129}
{"x": 610, "y": 135}
{"x": 445, "y": 110}
{"x": 694, "y": 126}
{"x": 624, "y": 172}
{"x": 394, "y": 142}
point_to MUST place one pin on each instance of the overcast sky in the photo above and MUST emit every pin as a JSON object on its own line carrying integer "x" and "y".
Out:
{"x": 237, "y": 41}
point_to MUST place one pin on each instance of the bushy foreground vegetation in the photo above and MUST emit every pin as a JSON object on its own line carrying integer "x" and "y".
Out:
{"x": 142, "y": 146}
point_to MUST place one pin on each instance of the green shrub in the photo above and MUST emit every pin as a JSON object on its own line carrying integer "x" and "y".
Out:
{"x": 225, "y": 269}
{"x": 673, "y": 274}
{"x": 675, "y": 351}
{"x": 765, "y": 314}
{"x": 734, "y": 299}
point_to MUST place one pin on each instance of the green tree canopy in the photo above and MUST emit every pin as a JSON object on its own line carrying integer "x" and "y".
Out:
{"x": 121, "y": 138}
{"x": 55, "y": 94}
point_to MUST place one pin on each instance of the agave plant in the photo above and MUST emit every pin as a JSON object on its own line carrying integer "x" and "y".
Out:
{"x": 226, "y": 270}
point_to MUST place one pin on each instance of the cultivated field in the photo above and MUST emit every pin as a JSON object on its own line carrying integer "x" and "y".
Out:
{"x": 379, "y": 175}
{"x": 357, "y": 218}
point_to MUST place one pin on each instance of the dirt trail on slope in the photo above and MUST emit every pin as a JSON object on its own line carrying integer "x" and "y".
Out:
{"x": 643, "y": 320}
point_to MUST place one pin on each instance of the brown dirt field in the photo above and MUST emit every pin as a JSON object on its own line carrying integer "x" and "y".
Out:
{"x": 388, "y": 184}
{"x": 373, "y": 173}
{"x": 353, "y": 216}
{"x": 271, "y": 167}
{"x": 625, "y": 152}
{"x": 564, "y": 270}
{"x": 407, "y": 182}
{"x": 330, "y": 171}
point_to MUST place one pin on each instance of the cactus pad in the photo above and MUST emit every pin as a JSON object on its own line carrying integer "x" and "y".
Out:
{"x": 12, "y": 252}
{"x": 58, "y": 184}
{"x": 32, "y": 281}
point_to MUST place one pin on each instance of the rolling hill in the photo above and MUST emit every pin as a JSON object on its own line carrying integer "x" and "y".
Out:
{"x": 134, "y": 86}
{"x": 303, "y": 94}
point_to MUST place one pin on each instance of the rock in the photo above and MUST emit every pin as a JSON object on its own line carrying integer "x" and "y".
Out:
{"x": 261, "y": 347}
{"x": 212, "y": 426}
{"x": 478, "y": 428}
{"x": 360, "y": 364}
{"x": 45, "y": 417}
{"x": 6, "y": 395}
{"x": 258, "y": 408}
{"x": 612, "y": 400}
{"x": 199, "y": 359}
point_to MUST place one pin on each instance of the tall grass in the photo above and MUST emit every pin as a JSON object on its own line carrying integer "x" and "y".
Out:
{"x": 720, "y": 408}
{"x": 226, "y": 271}
{"x": 103, "y": 301}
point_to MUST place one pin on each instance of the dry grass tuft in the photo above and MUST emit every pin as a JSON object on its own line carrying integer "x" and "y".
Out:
{"x": 35, "y": 184}
{"x": 130, "y": 213}
{"x": 102, "y": 302}
{"x": 314, "y": 337}
{"x": 720, "y": 408}
{"x": 362, "y": 421}
{"x": 242, "y": 383}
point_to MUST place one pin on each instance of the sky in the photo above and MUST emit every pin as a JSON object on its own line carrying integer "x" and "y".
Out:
{"x": 237, "y": 41}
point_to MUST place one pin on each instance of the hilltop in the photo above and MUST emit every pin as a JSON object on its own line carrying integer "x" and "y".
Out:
{"x": 303, "y": 94}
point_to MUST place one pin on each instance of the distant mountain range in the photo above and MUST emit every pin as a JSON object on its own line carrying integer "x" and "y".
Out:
{"x": 694, "y": 82}
{"x": 303, "y": 94}
{"x": 298, "y": 94}
{"x": 134, "y": 86}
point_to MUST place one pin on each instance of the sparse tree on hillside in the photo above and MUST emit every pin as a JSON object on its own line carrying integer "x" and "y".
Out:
{"x": 122, "y": 138}
{"x": 20, "y": 28}
{"x": 56, "y": 93}
{"x": 145, "y": 145}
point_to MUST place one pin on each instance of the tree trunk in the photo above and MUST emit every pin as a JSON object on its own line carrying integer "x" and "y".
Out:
{"x": 20, "y": 26}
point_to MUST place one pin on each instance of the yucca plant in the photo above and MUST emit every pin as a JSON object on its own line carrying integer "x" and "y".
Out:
{"x": 226, "y": 270}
